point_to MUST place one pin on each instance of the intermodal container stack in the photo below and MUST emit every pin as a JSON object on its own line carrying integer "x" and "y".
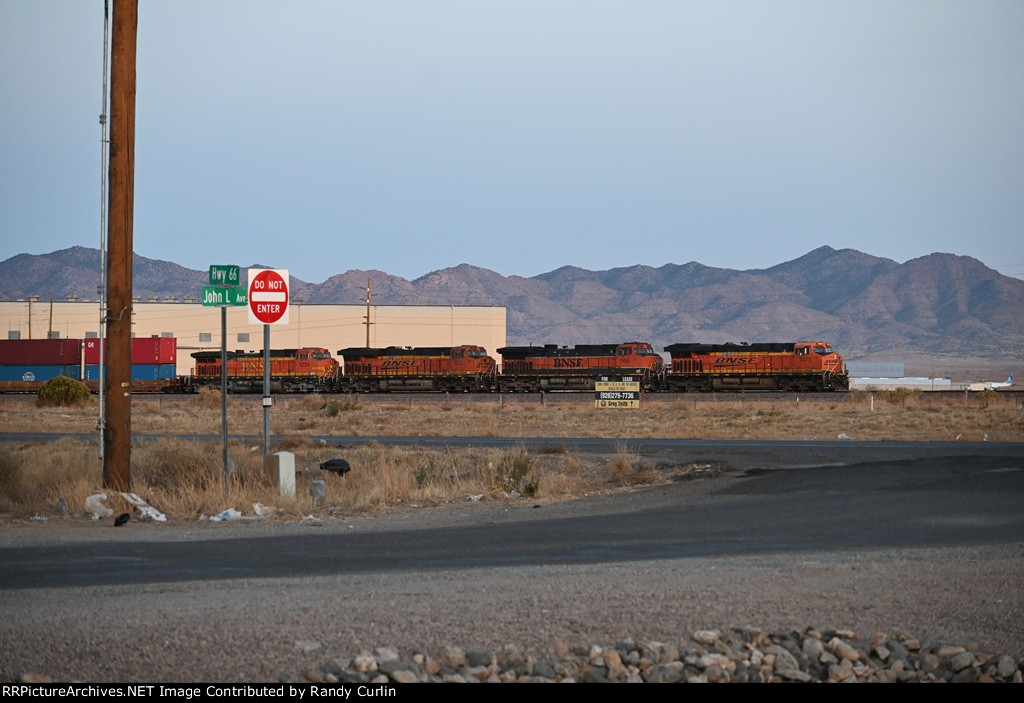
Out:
{"x": 153, "y": 358}
{"x": 40, "y": 359}
{"x": 37, "y": 360}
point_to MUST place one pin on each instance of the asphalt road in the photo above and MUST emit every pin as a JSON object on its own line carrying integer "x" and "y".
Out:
{"x": 917, "y": 538}
{"x": 789, "y": 496}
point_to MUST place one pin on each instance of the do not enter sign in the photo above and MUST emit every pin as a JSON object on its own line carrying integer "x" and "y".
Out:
{"x": 268, "y": 296}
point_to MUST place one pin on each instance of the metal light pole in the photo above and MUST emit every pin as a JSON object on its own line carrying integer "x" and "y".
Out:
{"x": 104, "y": 145}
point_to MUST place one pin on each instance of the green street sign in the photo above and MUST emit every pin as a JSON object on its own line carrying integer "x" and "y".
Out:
{"x": 225, "y": 275}
{"x": 233, "y": 296}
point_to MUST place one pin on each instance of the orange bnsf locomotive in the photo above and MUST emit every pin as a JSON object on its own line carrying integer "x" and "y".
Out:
{"x": 465, "y": 368}
{"x": 781, "y": 366}
{"x": 789, "y": 366}
{"x": 554, "y": 368}
{"x": 306, "y": 370}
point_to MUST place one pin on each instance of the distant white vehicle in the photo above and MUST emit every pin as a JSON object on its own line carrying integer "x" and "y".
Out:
{"x": 992, "y": 385}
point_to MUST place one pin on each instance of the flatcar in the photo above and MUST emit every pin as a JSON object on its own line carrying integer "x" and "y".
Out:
{"x": 555, "y": 368}
{"x": 781, "y": 366}
{"x": 465, "y": 368}
{"x": 305, "y": 370}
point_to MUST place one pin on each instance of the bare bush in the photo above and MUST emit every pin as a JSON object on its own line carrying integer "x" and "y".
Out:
{"x": 514, "y": 471}
{"x": 627, "y": 468}
{"x": 902, "y": 396}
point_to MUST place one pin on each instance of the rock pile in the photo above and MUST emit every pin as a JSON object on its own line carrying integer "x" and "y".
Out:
{"x": 742, "y": 656}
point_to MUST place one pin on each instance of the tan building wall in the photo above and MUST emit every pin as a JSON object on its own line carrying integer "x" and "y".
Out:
{"x": 333, "y": 327}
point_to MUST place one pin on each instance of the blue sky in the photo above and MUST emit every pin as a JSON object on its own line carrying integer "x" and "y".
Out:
{"x": 322, "y": 136}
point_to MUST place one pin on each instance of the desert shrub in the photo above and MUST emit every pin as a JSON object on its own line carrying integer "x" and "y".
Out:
{"x": 623, "y": 461}
{"x": 173, "y": 465}
{"x": 208, "y": 398}
{"x": 900, "y": 396}
{"x": 431, "y": 473}
{"x": 515, "y": 472}
{"x": 986, "y": 398}
{"x": 10, "y": 476}
{"x": 348, "y": 404}
{"x": 63, "y": 391}
{"x": 33, "y": 477}
{"x": 310, "y": 402}
{"x": 627, "y": 468}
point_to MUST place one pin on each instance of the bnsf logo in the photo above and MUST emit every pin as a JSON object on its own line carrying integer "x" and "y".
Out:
{"x": 396, "y": 363}
{"x": 732, "y": 360}
{"x": 576, "y": 363}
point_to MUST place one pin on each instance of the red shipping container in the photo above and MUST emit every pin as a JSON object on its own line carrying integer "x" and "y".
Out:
{"x": 92, "y": 351}
{"x": 168, "y": 351}
{"x": 42, "y": 352}
{"x": 145, "y": 350}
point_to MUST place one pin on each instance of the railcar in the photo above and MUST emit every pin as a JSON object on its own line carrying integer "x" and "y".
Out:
{"x": 555, "y": 368}
{"x": 305, "y": 370}
{"x": 465, "y": 368}
{"x": 777, "y": 366}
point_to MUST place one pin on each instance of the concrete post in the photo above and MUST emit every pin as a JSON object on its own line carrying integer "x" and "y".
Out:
{"x": 284, "y": 473}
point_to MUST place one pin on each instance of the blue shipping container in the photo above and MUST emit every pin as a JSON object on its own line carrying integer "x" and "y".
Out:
{"x": 140, "y": 372}
{"x": 153, "y": 372}
{"x": 38, "y": 372}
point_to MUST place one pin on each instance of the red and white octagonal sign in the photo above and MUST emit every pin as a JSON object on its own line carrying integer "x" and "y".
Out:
{"x": 268, "y": 296}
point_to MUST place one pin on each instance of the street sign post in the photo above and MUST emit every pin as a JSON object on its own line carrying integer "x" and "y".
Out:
{"x": 268, "y": 305}
{"x": 224, "y": 291}
{"x": 268, "y": 296}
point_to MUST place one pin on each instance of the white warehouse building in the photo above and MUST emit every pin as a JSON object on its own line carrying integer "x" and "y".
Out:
{"x": 332, "y": 327}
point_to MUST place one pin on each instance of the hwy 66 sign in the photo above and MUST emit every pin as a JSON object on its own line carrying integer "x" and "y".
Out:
{"x": 268, "y": 296}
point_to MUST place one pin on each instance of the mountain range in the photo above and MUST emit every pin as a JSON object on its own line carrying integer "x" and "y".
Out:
{"x": 939, "y": 305}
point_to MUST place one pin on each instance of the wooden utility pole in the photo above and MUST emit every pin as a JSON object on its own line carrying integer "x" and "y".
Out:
{"x": 368, "y": 323}
{"x": 117, "y": 440}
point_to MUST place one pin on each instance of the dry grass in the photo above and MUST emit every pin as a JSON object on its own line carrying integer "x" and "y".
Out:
{"x": 184, "y": 479}
{"x": 861, "y": 415}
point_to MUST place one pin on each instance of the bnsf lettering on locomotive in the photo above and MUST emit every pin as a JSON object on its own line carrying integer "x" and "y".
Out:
{"x": 575, "y": 363}
{"x": 395, "y": 363}
{"x": 732, "y": 360}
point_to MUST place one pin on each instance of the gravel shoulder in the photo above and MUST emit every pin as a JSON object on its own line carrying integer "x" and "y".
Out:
{"x": 277, "y": 629}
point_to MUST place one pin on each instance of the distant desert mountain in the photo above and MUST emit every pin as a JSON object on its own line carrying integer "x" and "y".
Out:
{"x": 938, "y": 304}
